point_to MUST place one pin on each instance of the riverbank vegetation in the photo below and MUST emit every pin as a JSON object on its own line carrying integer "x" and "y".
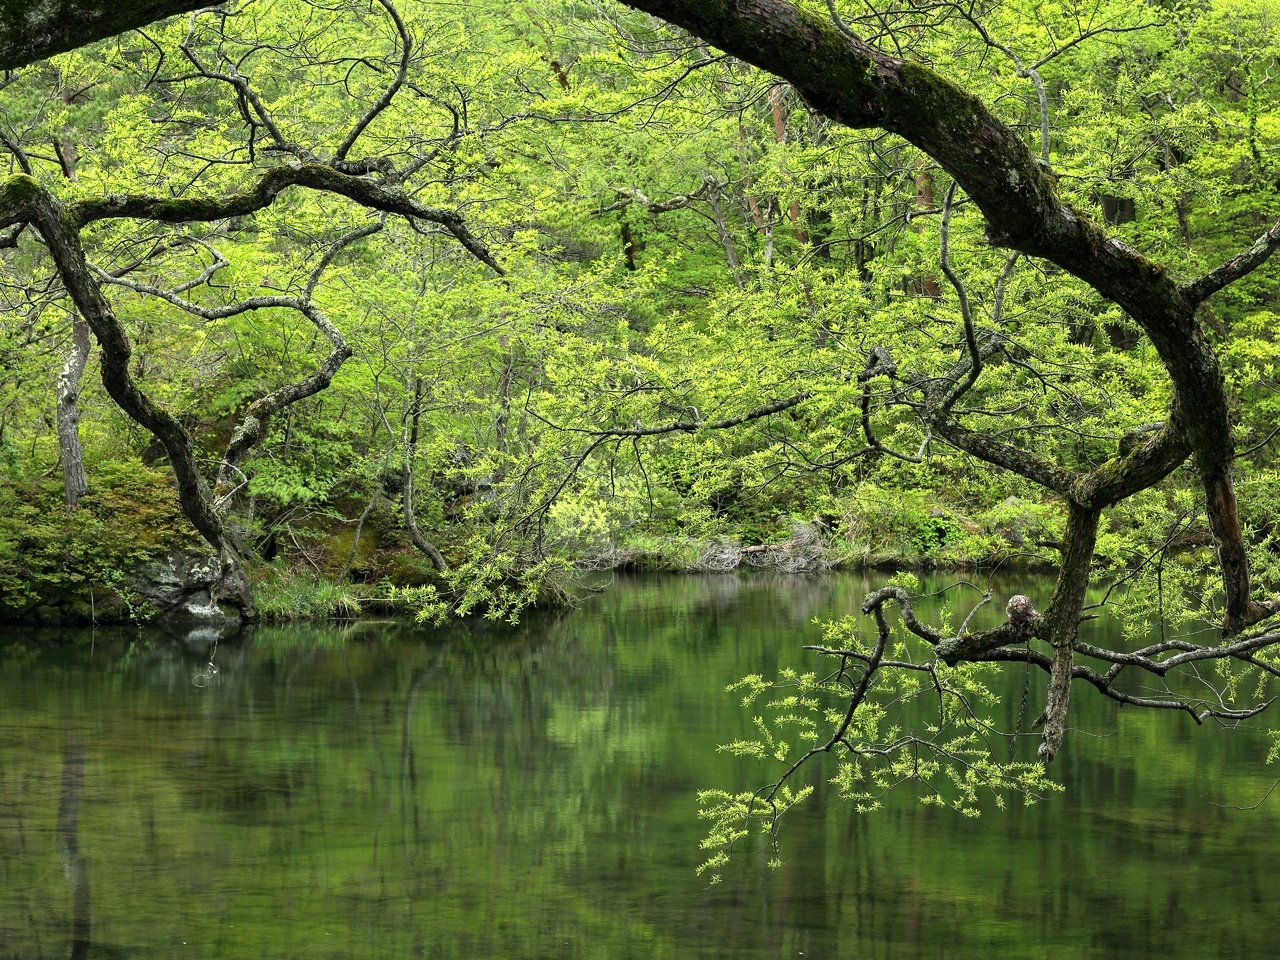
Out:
{"x": 443, "y": 306}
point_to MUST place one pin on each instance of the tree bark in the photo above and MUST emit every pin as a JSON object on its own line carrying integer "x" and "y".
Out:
{"x": 74, "y": 482}
{"x": 410, "y": 454}
{"x": 31, "y": 31}
{"x": 1064, "y": 621}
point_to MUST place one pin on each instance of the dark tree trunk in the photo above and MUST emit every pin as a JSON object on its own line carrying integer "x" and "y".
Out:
{"x": 1064, "y": 620}
{"x": 31, "y": 31}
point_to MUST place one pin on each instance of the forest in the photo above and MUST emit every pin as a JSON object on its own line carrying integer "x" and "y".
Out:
{"x": 444, "y": 309}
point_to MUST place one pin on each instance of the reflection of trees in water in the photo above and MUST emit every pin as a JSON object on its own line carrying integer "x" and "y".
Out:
{"x": 68, "y": 832}
{"x": 478, "y": 792}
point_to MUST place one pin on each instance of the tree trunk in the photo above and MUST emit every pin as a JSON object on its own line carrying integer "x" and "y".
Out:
{"x": 1064, "y": 621}
{"x": 34, "y": 31}
{"x": 74, "y": 483}
{"x": 410, "y": 454}
{"x": 781, "y": 115}
{"x": 927, "y": 285}
{"x": 726, "y": 238}
{"x": 22, "y": 198}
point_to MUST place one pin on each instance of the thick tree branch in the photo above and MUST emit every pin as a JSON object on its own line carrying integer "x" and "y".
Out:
{"x": 1134, "y": 469}
{"x": 22, "y": 199}
{"x": 31, "y": 31}
{"x": 262, "y": 193}
{"x": 1197, "y": 710}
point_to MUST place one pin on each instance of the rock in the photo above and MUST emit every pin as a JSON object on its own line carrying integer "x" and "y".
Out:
{"x": 176, "y": 587}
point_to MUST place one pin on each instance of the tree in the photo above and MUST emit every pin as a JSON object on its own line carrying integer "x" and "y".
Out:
{"x": 26, "y": 201}
{"x": 856, "y": 83}
{"x": 765, "y": 297}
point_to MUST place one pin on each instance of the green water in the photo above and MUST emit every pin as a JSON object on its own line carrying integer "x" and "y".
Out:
{"x": 383, "y": 790}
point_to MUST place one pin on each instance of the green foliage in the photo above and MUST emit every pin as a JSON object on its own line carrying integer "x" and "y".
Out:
{"x": 768, "y": 252}
{"x": 57, "y": 563}
{"x": 925, "y": 728}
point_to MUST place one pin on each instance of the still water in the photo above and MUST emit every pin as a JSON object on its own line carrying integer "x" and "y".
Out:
{"x": 385, "y": 790}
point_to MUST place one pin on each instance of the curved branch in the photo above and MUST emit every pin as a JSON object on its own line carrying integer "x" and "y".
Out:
{"x": 384, "y": 101}
{"x": 24, "y": 199}
{"x": 875, "y": 601}
{"x": 263, "y": 192}
{"x": 966, "y": 313}
{"x": 253, "y": 425}
{"x": 246, "y": 96}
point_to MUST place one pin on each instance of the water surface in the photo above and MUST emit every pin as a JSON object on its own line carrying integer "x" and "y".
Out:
{"x": 385, "y": 790}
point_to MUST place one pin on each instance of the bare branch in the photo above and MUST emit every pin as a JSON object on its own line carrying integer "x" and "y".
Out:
{"x": 974, "y": 369}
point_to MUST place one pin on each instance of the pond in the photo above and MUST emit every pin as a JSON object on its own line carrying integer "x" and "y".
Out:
{"x": 388, "y": 790}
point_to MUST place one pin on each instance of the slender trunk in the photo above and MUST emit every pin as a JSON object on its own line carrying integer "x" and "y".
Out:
{"x": 744, "y": 160}
{"x": 74, "y": 483}
{"x": 502, "y": 423}
{"x": 726, "y": 238}
{"x": 410, "y": 455}
{"x": 1064, "y": 621}
{"x": 928, "y": 284}
{"x": 778, "y": 105}
{"x": 1224, "y": 523}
